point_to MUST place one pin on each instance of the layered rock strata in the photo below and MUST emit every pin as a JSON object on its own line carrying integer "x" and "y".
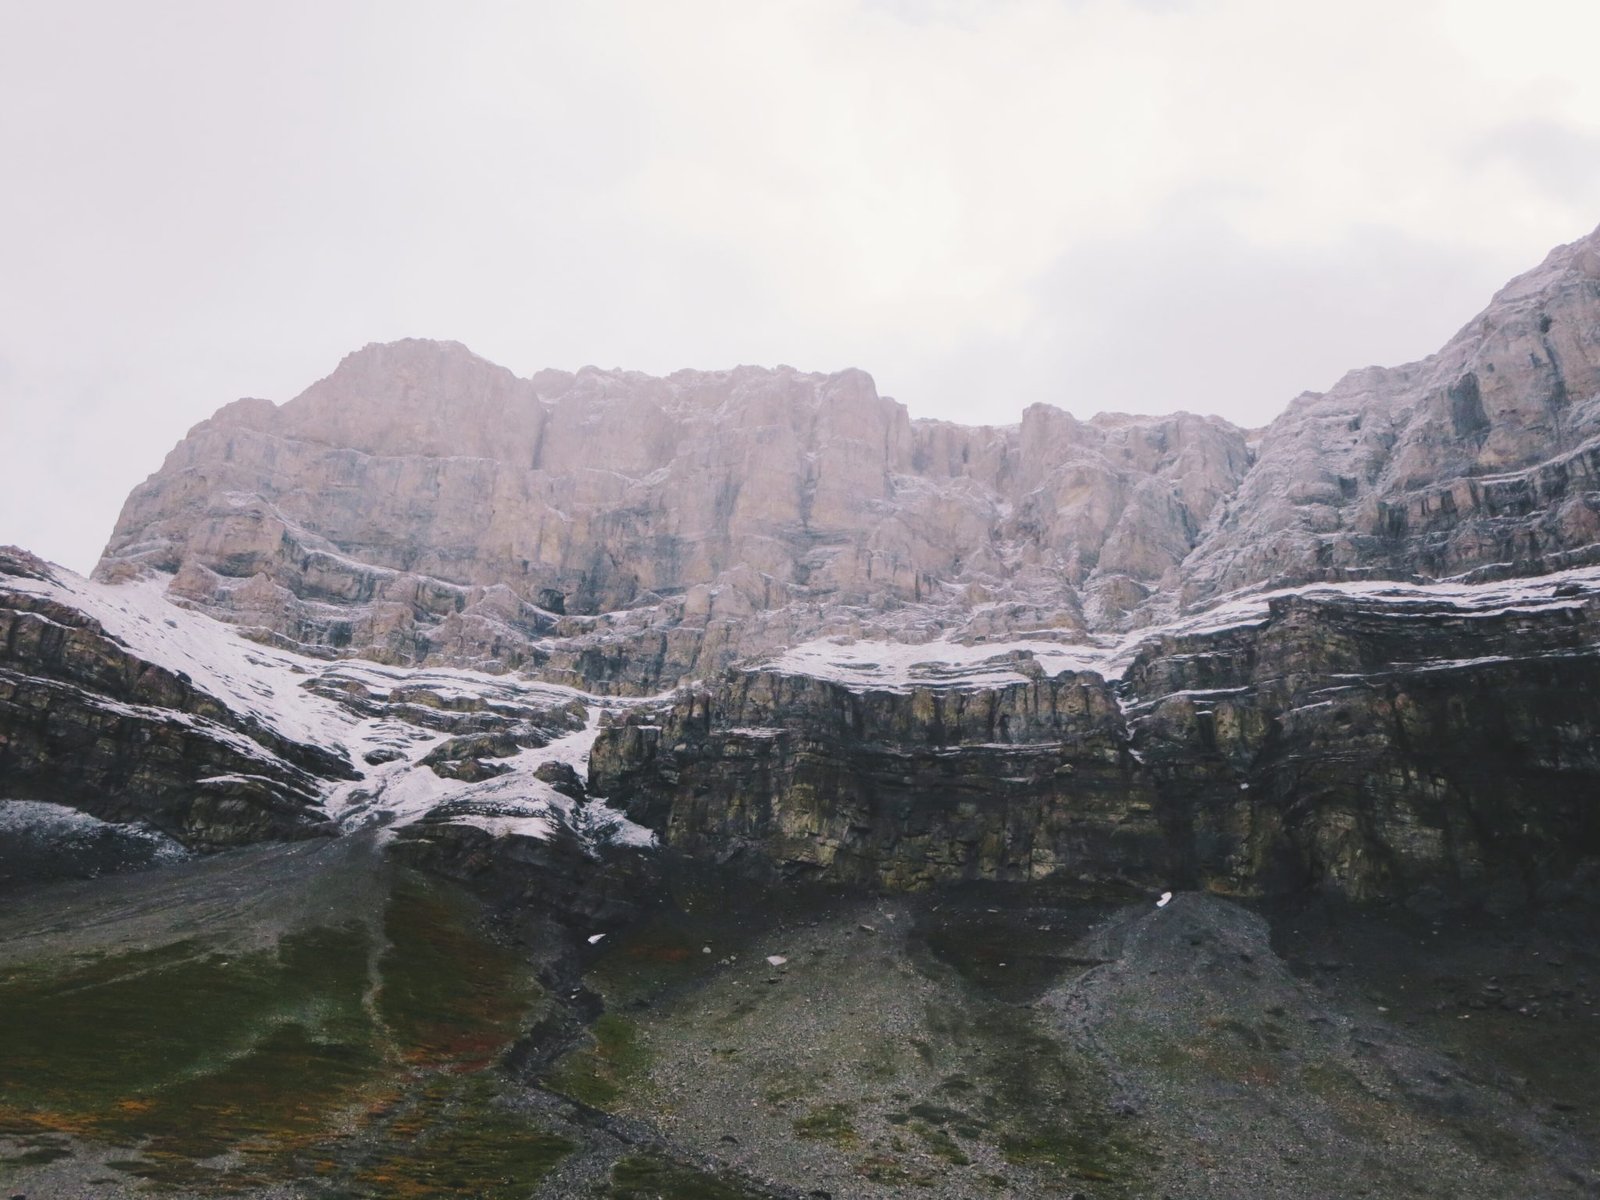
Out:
{"x": 115, "y": 703}
{"x": 1367, "y": 742}
{"x": 610, "y": 529}
{"x": 888, "y": 789}
{"x": 622, "y": 534}
{"x": 86, "y": 722}
{"x": 422, "y": 505}
{"x": 1481, "y": 458}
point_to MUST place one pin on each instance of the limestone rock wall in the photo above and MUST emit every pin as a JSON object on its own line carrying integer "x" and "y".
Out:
{"x": 1368, "y": 747}
{"x": 631, "y": 534}
{"x": 421, "y": 504}
{"x": 1484, "y": 457}
{"x": 1378, "y": 750}
{"x": 896, "y": 790}
{"x": 84, "y": 722}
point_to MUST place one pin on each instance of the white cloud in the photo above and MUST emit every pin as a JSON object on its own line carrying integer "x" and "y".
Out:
{"x": 1133, "y": 204}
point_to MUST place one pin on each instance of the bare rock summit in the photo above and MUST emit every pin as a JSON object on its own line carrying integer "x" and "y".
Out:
{"x": 421, "y": 504}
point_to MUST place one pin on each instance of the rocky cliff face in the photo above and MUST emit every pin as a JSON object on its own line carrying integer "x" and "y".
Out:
{"x": 162, "y": 721}
{"x": 87, "y": 722}
{"x": 420, "y": 504}
{"x": 899, "y": 789}
{"x": 1480, "y": 458}
{"x": 1380, "y": 747}
{"x": 922, "y": 652}
{"x": 1373, "y": 742}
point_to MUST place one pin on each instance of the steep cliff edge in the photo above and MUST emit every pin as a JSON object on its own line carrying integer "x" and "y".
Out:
{"x": 1128, "y": 647}
{"x": 898, "y": 789}
{"x": 88, "y": 721}
{"x": 116, "y": 703}
{"x": 607, "y": 528}
{"x": 1368, "y": 740}
{"x": 1480, "y": 458}
{"x": 420, "y": 504}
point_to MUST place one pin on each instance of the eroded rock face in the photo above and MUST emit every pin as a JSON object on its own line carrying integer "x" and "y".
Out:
{"x": 1482, "y": 457}
{"x": 1377, "y": 750}
{"x": 422, "y": 504}
{"x": 606, "y": 527}
{"x": 85, "y": 722}
{"x": 625, "y": 534}
{"x": 897, "y": 790}
{"x": 1365, "y": 745}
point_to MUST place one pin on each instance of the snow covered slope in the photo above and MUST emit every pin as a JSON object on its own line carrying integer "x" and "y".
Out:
{"x": 263, "y": 711}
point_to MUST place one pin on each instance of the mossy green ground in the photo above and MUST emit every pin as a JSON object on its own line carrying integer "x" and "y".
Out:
{"x": 458, "y": 1139}
{"x": 649, "y": 1177}
{"x": 831, "y": 1123}
{"x": 600, "y": 1071}
{"x": 230, "y": 1070}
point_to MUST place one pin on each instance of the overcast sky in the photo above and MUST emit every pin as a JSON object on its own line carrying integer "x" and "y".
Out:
{"x": 1141, "y": 205}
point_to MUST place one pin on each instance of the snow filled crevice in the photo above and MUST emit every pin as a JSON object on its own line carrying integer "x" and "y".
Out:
{"x": 254, "y": 681}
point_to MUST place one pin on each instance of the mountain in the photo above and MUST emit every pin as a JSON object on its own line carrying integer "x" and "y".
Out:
{"x": 1136, "y": 647}
{"x": 807, "y": 774}
{"x": 1476, "y": 461}
{"x": 421, "y": 505}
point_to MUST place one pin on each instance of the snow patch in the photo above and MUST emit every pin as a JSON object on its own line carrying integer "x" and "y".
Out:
{"x": 884, "y": 666}
{"x": 267, "y": 685}
{"x": 57, "y": 821}
{"x": 252, "y": 680}
{"x": 881, "y": 665}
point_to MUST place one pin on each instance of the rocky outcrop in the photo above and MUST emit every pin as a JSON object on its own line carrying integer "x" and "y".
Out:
{"x": 898, "y": 790}
{"x": 86, "y": 723}
{"x": 1373, "y": 745}
{"x": 420, "y": 504}
{"x": 623, "y": 534}
{"x": 1378, "y": 750}
{"x": 1481, "y": 458}
{"x": 609, "y": 529}
{"x": 41, "y": 842}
